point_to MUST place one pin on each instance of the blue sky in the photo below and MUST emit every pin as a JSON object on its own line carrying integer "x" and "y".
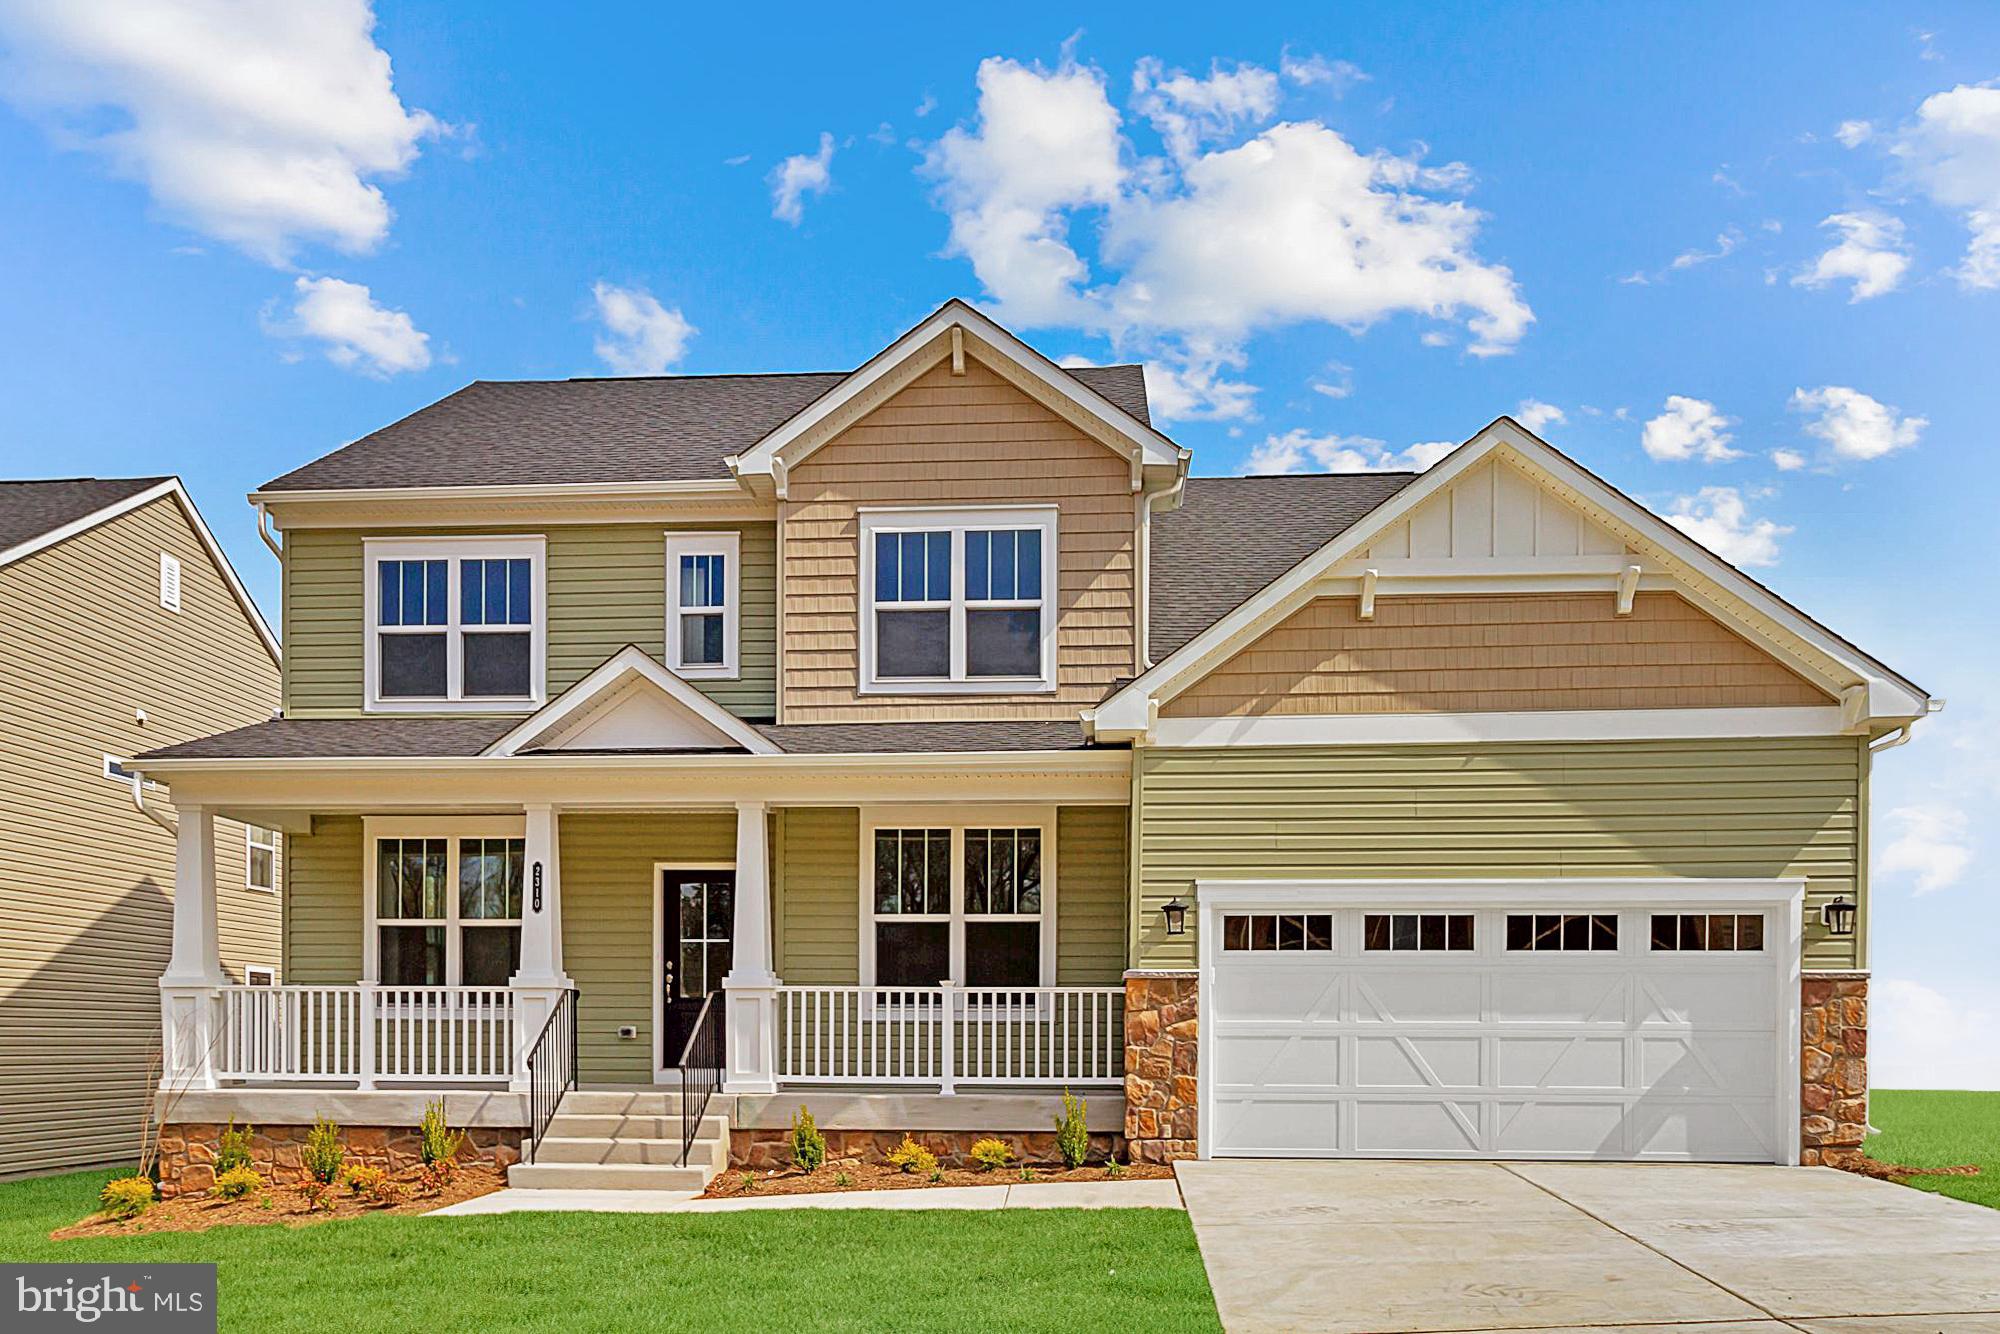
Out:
{"x": 1744, "y": 265}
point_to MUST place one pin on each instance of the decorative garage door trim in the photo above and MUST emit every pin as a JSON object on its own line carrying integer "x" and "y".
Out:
{"x": 1781, "y": 899}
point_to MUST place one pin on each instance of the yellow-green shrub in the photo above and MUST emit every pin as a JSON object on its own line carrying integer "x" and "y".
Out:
{"x": 127, "y": 1197}
{"x": 233, "y": 1149}
{"x": 910, "y": 1156}
{"x": 438, "y": 1142}
{"x": 236, "y": 1183}
{"x": 808, "y": 1145}
{"x": 990, "y": 1153}
{"x": 1072, "y": 1136}
{"x": 324, "y": 1153}
{"x": 373, "y": 1183}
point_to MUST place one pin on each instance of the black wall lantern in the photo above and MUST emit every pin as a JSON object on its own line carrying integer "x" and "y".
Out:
{"x": 1838, "y": 916}
{"x": 1176, "y": 915}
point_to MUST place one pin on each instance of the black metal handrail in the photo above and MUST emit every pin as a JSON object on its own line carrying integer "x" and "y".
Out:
{"x": 701, "y": 1070}
{"x": 551, "y": 1070}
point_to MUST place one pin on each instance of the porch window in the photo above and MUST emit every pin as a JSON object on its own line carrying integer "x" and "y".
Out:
{"x": 966, "y": 904}
{"x": 455, "y": 622}
{"x": 912, "y": 907}
{"x": 448, "y": 911}
{"x": 959, "y": 601}
{"x": 1003, "y": 907}
{"x": 702, "y": 590}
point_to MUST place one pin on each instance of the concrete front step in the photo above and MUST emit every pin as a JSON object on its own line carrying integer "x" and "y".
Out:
{"x": 635, "y": 1102}
{"x": 711, "y": 1151}
{"x": 572, "y": 1125}
{"x": 608, "y": 1176}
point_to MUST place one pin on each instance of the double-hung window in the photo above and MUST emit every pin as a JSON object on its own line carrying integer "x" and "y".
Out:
{"x": 260, "y": 857}
{"x": 970, "y": 903}
{"x": 444, "y": 905}
{"x": 703, "y": 583}
{"x": 958, "y": 601}
{"x": 455, "y": 623}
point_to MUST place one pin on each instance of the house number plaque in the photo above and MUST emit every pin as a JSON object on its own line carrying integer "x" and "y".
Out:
{"x": 538, "y": 888}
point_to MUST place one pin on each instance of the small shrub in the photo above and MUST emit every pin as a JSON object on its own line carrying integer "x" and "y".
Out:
{"x": 990, "y": 1153}
{"x": 438, "y": 1143}
{"x": 237, "y": 1183}
{"x": 910, "y": 1156}
{"x": 808, "y": 1145}
{"x": 368, "y": 1182}
{"x": 127, "y": 1197}
{"x": 1112, "y": 1169}
{"x": 315, "y": 1193}
{"x": 747, "y": 1182}
{"x": 1027, "y": 1173}
{"x": 233, "y": 1149}
{"x": 324, "y": 1154}
{"x": 1072, "y": 1136}
{"x": 843, "y": 1178}
{"x": 937, "y": 1176}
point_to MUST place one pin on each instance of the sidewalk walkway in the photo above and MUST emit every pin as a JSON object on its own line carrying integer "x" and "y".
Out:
{"x": 1050, "y": 1195}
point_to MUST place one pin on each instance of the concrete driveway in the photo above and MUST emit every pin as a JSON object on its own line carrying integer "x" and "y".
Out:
{"x": 1580, "y": 1246}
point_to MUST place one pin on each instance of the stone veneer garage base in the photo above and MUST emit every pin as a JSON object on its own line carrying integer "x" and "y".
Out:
{"x": 1833, "y": 1069}
{"x": 187, "y": 1151}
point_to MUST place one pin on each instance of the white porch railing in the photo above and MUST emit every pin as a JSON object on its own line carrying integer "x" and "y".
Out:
{"x": 945, "y": 1035}
{"x": 366, "y": 1033}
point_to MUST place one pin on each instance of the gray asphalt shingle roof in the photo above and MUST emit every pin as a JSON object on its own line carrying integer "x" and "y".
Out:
{"x": 671, "y": 428}
{"x": 29, "y": 509}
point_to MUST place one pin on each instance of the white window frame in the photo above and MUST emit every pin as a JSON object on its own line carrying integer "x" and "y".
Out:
{"x": 452, "y": 550}
{"x": 170, "y": 581}
{"x": 128, "y": 779}
{"x": 451, "y": 829}
{"x": 728, "y": 545}
{"x": 958, "y": 521}
{"x": 250, "y": 845}
{"x": 958, "y": 819}
{"x": 252, "y": 972}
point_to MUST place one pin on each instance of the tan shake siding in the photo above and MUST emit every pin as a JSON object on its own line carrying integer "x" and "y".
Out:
{"x": 1476, "y": 653}
{"x": 86, "y": 889}
{"x": 606, "y": 589}
{"x": 956, "y": 440}
{"x": 1090, "y": 895}
{"x": 1749, "y": 808}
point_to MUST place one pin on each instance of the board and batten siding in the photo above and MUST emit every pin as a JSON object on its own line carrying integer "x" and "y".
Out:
{"x": 971, "y": 439}
{"x": 1571, "y": 810}
{"x": 606, "y": 589}
{"x": 86, "y": 891}
{"x": 1469, "y": 653}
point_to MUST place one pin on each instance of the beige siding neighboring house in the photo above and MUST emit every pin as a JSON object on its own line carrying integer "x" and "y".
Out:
{"x": 97, "y": 669}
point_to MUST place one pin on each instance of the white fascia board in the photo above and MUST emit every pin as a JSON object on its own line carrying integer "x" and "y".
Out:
{"x": 612, "y": 674}
{"x": 1604, "y": 891}
{"x": 1419, "y": 729}
{"x": 764, "y": 457}
{"x": 171, "y": 487}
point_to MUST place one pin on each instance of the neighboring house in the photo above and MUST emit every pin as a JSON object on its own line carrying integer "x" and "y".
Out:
{"x": 122, "y": 628}
{"x": 936, "y": 724}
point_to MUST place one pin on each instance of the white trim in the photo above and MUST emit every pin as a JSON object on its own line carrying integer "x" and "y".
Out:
{"x": 450, "y": 828}
{"x": 629, "y": 663}
{"x": 250, "y": 845}
{"x": 764, "y": 458}
{"x": 453, "y": 551}
{"x": 728, "y": 544}
{"x": 958, "y": 521}
{"x": 1784, "y": 896}
{"x": 957, "y": 819}
{"x": 171, "y": 487}
{"x": 252, "y": 971}
{"x": 723, "y": 487}
{"x": 1126, "y": 712}
{"x": 130, "y": 777}
{"x": 1462, "y": 728}
{"x": 662, "y": 1072}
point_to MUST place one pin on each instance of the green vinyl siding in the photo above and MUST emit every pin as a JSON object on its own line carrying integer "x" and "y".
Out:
{"x": 817, "y": 888}
{"x": 323, "y": 910}
{"x": 1090, "y": 896}
{"x": 606, "y": 589}
{"x": 1710, "y": 808}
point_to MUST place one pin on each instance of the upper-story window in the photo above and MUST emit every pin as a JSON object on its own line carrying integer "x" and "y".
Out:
{"x": 455, "y": 623}
{"x": 703, "y": 583}
{"x": 958, "y": 601}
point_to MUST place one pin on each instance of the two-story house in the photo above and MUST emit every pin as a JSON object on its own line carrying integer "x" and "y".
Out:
{"x": 917, "y": 741}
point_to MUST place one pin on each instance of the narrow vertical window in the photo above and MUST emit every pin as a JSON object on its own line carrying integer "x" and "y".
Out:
{"x": 703, "y": 587}
{"x": 260, "y": 861}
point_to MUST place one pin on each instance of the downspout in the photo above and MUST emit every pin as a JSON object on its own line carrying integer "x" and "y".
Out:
{"x": 264, "y": 531}
{"x": 139, "y": 800}
{"x": 1143, "y": 556}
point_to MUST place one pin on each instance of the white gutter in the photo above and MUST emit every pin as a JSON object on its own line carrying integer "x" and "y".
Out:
{"x": 1901, "y": 736}
{"x": 1105, "y": 760}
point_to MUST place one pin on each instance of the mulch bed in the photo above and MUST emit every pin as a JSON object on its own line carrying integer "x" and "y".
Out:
{"x": 1863, "y": 1165}
{"x": 285, "y": 1205}
{"x": 859, "y": 1175}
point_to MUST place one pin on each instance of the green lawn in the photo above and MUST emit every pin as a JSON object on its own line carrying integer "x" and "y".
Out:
{"x": 1931, "y": 1129}
{"x": 1017, "y": 1269}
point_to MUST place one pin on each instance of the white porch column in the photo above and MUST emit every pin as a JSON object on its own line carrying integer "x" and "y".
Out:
{"x": 751, "y": 988}
{"x": 540, "y": 981}
{"x": 190, "y": 988}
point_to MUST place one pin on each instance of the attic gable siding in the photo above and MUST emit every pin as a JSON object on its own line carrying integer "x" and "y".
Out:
{"x": 955, "y": 440}
{"x": 1495, "y": 510}
{"x": 1483, "y": 653}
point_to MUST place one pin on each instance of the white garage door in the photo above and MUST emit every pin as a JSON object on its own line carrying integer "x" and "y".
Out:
{"x": 1589, "y": 1031}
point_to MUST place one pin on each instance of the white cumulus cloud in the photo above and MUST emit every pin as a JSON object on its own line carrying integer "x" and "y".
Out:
{"x": 1854, "y": 133}
{"x": 641, "y": 336}
{"x": 353, "y": 330}
{"x": 1870, "y": 254}
{"x": 1788, "y": 460}
{"x": 1930, "y": 844}
{"x": 1299, "y": 450}
{"x": 1538, "y": 416}
{"x": 1921, "y": 1037}
{"x": 1189, "y": 112}
{"x": 1855, "y": 427}
{"x": 799, "y": 175}
{"x": 1951, "y": 151}
{"x": 1688, "y": 428}
{"x": 262, "y": 126}
{"x": 1719, "y": 519}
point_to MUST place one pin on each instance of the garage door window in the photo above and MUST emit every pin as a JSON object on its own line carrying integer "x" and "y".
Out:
{"x": 1709, "y": 932}
{"x": 1297, "y": 933}
{"x": 1410, "y": 932}
{"x": 1561, "y": 933}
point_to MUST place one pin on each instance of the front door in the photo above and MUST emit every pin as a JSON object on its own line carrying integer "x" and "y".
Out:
{"x": 697, "y": 910}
